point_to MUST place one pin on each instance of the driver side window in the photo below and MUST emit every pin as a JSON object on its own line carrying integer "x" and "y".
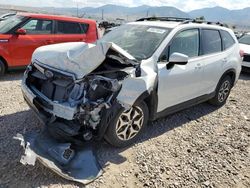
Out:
{"x": 36, "y": 26}
{"x": 186, "y": 42}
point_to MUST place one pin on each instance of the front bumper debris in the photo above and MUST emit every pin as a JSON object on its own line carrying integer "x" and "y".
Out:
{"x": 71, "y": 162}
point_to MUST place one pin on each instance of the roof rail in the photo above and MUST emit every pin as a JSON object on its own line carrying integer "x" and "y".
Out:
{"x": 181, "y": 20}
{"x": 203, "y": 21}
{"x": 175, "y": 19}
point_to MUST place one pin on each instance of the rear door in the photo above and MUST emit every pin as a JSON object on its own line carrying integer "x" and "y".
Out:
{"x": 39, "y": 32}
{"x": 212, "y": 58}
{"x": 70, "y": 32}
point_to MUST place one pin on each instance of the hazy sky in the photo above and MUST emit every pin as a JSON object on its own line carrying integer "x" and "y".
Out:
{"x": 185, "y": 5}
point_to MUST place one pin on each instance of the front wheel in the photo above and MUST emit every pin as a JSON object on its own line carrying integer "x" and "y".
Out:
{"x": 222, "y": 92}
{"x": 127, "y": 126}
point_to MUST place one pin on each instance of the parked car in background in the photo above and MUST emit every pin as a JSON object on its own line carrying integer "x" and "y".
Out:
{"x": 7, "y": 15}
{"x": 21, "y": 34}
{"x": 238, "y": 34}
{"x": 109, "y": 29}
{"x": 245, "y": 46}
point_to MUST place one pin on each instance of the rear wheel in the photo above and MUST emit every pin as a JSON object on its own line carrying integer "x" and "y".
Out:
{"x": 2, "y": 68}
{"x": 127, "y": 126}
{"x": 222, "y": 92}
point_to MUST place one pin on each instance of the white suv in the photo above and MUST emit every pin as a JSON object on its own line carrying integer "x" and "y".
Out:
{"x": 138, "y": 72}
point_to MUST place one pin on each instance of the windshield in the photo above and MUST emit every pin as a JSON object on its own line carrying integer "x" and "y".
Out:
{"x": 9, "y": 23}
{"x": 245, "y": 39}
{"x": 138, "y": 40}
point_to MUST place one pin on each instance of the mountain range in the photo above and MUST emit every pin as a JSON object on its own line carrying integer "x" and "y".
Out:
{"x": 110, "y": 12}
{"x": 235, "y": 17}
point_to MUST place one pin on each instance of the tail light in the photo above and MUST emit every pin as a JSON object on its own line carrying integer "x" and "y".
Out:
{"x": 241, "y": 53}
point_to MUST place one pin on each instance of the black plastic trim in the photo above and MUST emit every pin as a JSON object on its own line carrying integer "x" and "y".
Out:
{"x": 184, "y": 105}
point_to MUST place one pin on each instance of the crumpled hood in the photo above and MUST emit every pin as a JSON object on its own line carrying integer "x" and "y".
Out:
{"x": 78, "y": 58}
{"x": 245, "y": 48}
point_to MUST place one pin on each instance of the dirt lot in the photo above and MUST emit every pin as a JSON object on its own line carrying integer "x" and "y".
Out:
{"x": 200, "y": 147}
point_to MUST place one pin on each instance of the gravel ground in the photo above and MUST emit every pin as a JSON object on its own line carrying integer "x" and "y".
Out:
{"x": 200, "y": 147}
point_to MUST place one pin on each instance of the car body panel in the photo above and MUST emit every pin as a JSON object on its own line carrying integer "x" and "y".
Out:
{"x": 78, "y": 58}
{"x": 175, "y": 83}
{"x": 22, "y": 46}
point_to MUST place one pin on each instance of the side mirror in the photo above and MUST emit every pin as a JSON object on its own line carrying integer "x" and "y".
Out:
{"x": 21, "y": 31}
{"x": 177, "y": 59}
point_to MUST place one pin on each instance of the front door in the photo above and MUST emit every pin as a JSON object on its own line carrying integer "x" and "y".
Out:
{"x": 38, "y": 33}
{"x": 181, "y": 83}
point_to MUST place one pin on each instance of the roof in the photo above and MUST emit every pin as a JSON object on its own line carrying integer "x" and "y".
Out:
{"x": 57, "y": 17}
{"x": 174, "y": 24}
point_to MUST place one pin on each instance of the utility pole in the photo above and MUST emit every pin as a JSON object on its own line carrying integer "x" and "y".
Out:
{"x": 102, "y": 14}
{"x": 147, "y": 13}
{"x": 77, "y": 13}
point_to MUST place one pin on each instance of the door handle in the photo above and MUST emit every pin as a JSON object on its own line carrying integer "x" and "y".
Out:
{"x": 198, "y": 66}
{"x": 224, "y": 60}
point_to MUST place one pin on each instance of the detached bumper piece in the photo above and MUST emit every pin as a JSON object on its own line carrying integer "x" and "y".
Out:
{"x": 76, "y": 164}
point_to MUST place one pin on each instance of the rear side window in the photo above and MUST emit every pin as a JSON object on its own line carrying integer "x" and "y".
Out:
{"x": 227, "y": 39}
{"x": 211, "y": 41}
{"x": 186, "y": 42}
{"x": 85, "y": 27}
{"x": 36, "y": 26}
{"x": 68, "y": 28}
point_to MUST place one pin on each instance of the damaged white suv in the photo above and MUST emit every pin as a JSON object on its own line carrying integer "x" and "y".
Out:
{"x": 138, "y": 72}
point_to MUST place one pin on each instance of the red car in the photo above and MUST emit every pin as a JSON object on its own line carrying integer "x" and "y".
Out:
{"x": 21, "y": 34}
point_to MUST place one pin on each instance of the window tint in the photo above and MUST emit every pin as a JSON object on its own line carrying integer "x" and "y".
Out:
{"x": 211, "y": 41}
{"x": 227, "y": 39}
{"x": 85, "y": 27}
{"x": 186, "y": 42}
{"x": 68, "y": 28}
{"x": 38, "y": 27}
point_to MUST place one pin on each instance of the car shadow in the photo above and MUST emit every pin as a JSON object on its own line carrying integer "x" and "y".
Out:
{"x": 12, "y": 76}
{"x": 14, "y": 174}
{"x": 245, "y": 75}
{"x": 108, "y": 154}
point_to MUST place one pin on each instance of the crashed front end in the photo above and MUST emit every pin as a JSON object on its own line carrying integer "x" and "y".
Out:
{"x": 76, "y": 91}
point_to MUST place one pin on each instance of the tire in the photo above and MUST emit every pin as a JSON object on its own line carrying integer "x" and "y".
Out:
{"x": 135, "y": 119}
{"x": 222, "y": 92}
{"x": 2, "y": 68}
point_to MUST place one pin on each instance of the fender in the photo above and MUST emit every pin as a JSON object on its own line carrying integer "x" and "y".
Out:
{"x": 231, "y": 73}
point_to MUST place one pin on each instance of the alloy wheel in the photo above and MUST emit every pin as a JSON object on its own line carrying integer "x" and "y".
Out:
{"x": 224, "y": 91}
{"x": 129, "y": 123}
